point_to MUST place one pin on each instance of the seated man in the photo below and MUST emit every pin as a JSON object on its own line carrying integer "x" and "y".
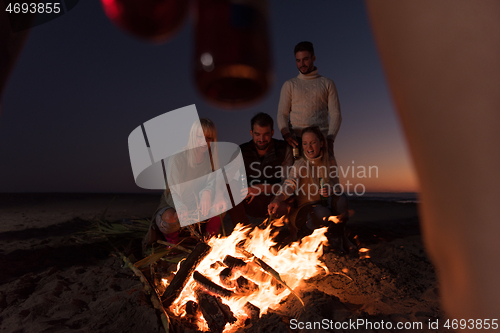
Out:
{"x": 266, "y": 163}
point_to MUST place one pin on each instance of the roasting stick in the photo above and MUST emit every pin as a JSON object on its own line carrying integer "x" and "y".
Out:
{"x": 194, "y": 232}
{"x": 266, "y": 222}
{"x": 269, "y": 270}
{"x": 270, "y": 219}
{"x": 225, "y": 178}
{"x": 222, "y": 225}
{"x": 155, "y": 299}
{"x": 175, "y": 246}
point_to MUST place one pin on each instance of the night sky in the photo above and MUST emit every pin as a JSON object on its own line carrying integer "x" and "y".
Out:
{"x": 82, "y": 85}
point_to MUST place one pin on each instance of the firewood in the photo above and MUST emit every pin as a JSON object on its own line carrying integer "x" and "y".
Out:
{"x": 233, "y": 262}
{"x": 226, "y": 278}
{"x": 245, "y": 286}
{"x": 211, "y": 286}
{"x": 155, "y": 300}
{"x": 269, "y": 270}
{"x": 251, "y": 310}
{"x": 217, "y": 264}
{"x": 191, "y": 308}
{"x": 187, "y": 268}
{"x": 214, "y": 311}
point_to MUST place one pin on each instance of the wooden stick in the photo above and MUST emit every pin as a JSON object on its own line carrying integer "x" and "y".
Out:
{"x": 251, "y": 310}
{"x": 211, "y": 286}
{"x": 222, "y": 225}
{"x": 194, "y": 233}
{"x": 233, "y": 262}
{"x": 214, "y": 311}
{"x": 176, "y": 246}
{"x": 266, "y": 222}
{"x": 155, "y": 300}
{"x": 225, "y": 277}
{"x": 187, "y": 268}
{"x": 269, "y": 270}
{"x": 245, "y": 286}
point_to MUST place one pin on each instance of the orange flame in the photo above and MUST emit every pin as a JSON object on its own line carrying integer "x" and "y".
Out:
{"x": 295, "y": 263}
{"x": 334, "y": 219}
{"x": 363, "y": 253}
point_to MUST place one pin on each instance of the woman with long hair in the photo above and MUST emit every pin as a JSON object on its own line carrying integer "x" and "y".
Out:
{"x": 192, "y": 193}
{"x": 313, "y": 179}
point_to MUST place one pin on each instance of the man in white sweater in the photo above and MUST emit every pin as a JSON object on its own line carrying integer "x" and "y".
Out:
{"x": 308, "y": 100}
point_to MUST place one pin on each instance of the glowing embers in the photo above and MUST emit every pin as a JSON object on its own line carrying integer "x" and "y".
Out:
{"x": 364, "y": 253}
{"x": 244, "y": 276}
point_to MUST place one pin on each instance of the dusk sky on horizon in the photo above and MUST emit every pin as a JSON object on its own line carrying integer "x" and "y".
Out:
{"x": 81, "y": 85}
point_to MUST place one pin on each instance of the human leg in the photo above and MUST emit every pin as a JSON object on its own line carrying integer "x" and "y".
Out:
{"x": 213, "y": 225}
{"x": 441, "y": 61}
{"x": 238, "y": 214}
{"x": 337, "y": 226}
{"x": 168, "y": 224}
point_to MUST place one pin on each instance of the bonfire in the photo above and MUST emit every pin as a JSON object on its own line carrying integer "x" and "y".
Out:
{"x": 222, "y": 284}
{"x": 226, "y": 281}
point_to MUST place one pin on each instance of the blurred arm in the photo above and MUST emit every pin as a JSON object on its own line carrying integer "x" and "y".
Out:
{"x": 441, "y": 61}
{"x": 333, "y": 113}
{"x": 284, "y": 106}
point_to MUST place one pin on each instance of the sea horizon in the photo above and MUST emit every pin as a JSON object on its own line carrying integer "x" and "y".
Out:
{"x": 400, "y": 197}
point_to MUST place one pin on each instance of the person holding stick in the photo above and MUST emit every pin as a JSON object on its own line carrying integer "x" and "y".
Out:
{"x": 313, "y": 180}
{"x": 266, "y": 162}
{"x": 199, "y": 196}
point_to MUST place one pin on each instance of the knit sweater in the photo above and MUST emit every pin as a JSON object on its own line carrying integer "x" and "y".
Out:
{"x": 309, "y": 100}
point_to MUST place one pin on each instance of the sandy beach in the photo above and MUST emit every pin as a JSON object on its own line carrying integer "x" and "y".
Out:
{"x": 52, "y": 282}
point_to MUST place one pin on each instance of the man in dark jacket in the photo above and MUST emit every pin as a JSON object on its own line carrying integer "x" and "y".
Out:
{"x": 266, "y": 163}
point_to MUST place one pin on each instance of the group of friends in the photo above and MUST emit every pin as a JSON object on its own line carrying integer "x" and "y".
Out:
{"x": 442, "y": 69}
{"x": 296, "y": 177}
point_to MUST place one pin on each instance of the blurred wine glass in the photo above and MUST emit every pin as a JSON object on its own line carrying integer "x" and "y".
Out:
{"x": 232, "y": 61}
{"x": 154, "y": 20}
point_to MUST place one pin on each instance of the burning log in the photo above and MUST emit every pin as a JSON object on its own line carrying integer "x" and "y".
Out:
{"x": 192, "y": 313}
{"x": 233, "y": 262}
{"x": 191, "y": 308}
{"x": 211, "y": 286}
{"x": 180, "y": 279}
{"x": 251, "y": 310}
{"x": 268, "y": 269}
{"x": 245, "y": 286}
{"x": 217, "y": 264}
{"x": 277, "y": 285}
{"x": 214, "y": 311}
{"x": 244, "y": 272}
{"x": 226, "y": 278}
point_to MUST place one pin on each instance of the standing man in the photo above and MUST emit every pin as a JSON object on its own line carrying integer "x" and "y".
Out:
{"x": 266, "y": 164}
{"x": 308, "y": 100}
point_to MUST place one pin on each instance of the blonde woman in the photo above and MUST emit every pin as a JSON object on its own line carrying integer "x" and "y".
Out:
{"x": 198, "y": 194}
